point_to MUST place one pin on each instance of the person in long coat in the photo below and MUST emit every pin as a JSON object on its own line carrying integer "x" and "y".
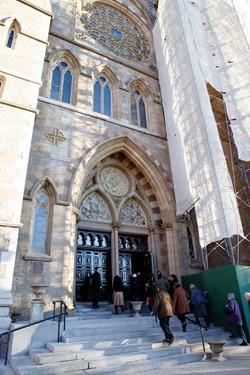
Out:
{"x": 199, "y": 303}
{"x": 235, "y": 319}
{"x": 118, "y": 296}
{"x": 181, "y": 304}
{"x": 163, "y": 307}
{"x": 96, "y": 288}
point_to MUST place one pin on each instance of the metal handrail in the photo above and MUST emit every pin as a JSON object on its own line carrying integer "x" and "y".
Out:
{"x": 202, "y": 328}
{"x": 40, "y": 321}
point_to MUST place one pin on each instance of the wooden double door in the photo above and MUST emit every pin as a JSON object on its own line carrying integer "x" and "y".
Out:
{"x": 94, "y": 250}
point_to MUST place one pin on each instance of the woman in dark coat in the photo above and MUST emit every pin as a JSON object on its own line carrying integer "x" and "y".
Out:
{"x": 235, "y": 319}
{"x": 181, "y": 304}
{"x": 199, "y": 303}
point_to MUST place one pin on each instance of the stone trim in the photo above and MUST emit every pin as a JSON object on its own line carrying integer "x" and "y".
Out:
{"x": 10, "y": 225}
{"x": 19, "y": 106}
{"x": 35, "y": 38}
{"x": 26, "y": 2}
{"x": 25, "y": 78}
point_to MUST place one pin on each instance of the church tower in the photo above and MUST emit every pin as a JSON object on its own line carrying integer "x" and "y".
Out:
{"x": 24, "y": 28}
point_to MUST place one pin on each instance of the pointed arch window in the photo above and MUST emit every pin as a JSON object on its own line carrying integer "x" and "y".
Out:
{"x": 2, "y": 82}
{"x": 133, "y": 213}
{"x": 102, "y": 96}
{"x": 190, "y": 243}
{"x": 61, "y": 85}
{"x": 93, "y": 207}
{"x": 40, "y": 223}
{"x": 138, "y": 109}
{"x": 11, "y": 37}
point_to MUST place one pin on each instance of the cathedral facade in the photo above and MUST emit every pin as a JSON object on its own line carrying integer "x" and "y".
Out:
{"x": 88, "y": 175}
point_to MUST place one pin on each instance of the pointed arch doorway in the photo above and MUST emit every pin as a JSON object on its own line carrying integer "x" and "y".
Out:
{"x": 113, "y": 229}
{"x": 94, "y": 250}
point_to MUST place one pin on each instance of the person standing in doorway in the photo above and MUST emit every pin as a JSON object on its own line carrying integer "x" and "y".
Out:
{"x": 163, "y": 307}
{"x": 235, "y": 319}
{"x": 96, "y": 288}
{"x": 118, "y": 296}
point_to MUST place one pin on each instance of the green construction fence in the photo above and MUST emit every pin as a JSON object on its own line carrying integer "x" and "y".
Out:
{"x": 218, "y": 282}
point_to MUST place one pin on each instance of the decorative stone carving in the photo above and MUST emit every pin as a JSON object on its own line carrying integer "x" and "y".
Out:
{"x": 114, "y": 181}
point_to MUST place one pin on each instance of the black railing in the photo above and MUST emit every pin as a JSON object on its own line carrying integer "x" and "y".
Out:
{"x": 202, "y": 328}
{"x": 59, "y": 316}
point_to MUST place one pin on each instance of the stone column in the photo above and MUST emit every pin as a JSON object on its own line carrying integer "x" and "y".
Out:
{"x": 115, "y": 250}
{"x": 171, "y": 251}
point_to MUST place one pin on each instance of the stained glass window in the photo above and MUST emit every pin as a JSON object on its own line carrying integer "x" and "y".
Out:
{"x": 93, "y": 207}
{"x": 61, "y": 86}
{"x": 102, "y": 96}
{"x": 11, "y": 38}
{"x": 132, "y": 213}
{"x": 138, "y": 109}
{"x": 115, "y": 30}
{"x": 40, "y": 222}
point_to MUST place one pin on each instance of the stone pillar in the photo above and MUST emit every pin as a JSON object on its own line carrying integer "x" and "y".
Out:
{"x": 115, "y": 250}
{"x": 37, "y": 305}
{"x": 172, "y": 265}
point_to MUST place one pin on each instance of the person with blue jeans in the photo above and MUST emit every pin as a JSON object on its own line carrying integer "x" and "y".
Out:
{"x": 235, "y": 319}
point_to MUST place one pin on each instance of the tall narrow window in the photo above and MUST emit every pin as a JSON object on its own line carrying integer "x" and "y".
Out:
{"x": 190, "y": 244}
{"x": 40, "y": 222}
{"x": 11, "y": 38}
{"x": 61, "y": 86}
{"x": 102, "y": 96}
{"x": 138, "y": 109}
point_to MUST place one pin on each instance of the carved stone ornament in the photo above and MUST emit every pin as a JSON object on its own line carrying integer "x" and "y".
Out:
{"x": 114, "y": 181}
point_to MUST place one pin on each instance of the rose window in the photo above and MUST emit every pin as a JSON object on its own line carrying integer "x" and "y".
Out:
{"x": 115, "y": 32}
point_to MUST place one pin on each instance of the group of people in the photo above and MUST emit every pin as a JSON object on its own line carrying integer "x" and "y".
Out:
{"x": 170, "y": 299}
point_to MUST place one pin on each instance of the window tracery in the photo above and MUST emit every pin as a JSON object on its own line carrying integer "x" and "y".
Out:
{"x": 93, "y": 207}
{"x": 62, "y": 79}
{"x": 102, "y": 96}
{"x": 41, "y": 207}
{"x": 138, "y": 109}
{"x": 133, "y": 213}
{"x": 115, "y": 32}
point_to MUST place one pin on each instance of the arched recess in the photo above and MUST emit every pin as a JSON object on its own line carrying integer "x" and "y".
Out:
{"x": 148, "y": 195}
{"x": 104, "y": 70}
{"x": 54, "y": 57}
{"x": 13, "y": 28}
{"x": 159, "y": 186}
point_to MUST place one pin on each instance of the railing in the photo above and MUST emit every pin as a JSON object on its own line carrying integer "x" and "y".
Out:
{"x": 202, "y": 328}
{"x": 63, "y": 313}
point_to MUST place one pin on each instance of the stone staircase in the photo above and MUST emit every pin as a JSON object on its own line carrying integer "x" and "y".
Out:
{"x": 97, "y": 342}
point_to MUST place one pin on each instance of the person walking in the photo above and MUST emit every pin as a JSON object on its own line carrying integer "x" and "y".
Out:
{"x": 172, "y": 279}
{"x": 233, "y": 310}
{"x": 181, "y": 304}
{"x": 118, "y": 296}
{"x": 162, "y": 282}
{"x": 164, "y": 309}
{"x": 199, "y": 304}
{"x": 149, "y": 296}
{"x": 247, "y": 296}
{"x": 96, "y": 288}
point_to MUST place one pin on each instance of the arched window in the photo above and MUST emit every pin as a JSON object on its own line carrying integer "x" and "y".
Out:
{"x": 102, "y": 96}
{"x": 41, "y": 213}
{"x": 190, "y": 244}
{"x": 61, "y": 85}
{"x": 12, "y": 34}
{"x": 132, "y": 213}
{"x": 93, "y": 207}
{"x": 138, "y": 109}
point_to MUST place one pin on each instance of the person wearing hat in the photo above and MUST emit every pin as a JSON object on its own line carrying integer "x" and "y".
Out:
{"x": 96, "y": 288}
{"x": 162, "y": 283}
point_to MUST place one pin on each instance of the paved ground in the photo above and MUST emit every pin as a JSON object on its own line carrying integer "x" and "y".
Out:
{"x": 236, "y": 364}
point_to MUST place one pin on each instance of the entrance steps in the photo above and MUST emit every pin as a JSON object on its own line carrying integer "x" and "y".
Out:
{"x": 97, "y": 342}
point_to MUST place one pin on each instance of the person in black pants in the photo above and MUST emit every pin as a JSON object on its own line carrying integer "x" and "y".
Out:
{"x": 96, "y": 288}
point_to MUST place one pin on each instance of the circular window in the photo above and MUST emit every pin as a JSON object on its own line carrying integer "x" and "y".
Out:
{"x": 103, "y": 22}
